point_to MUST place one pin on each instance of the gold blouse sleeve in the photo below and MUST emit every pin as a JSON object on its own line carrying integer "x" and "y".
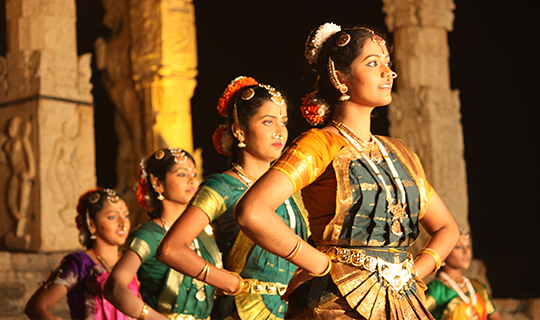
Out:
{"x": 308, "y": 156}
{"x": 209, "y": 201}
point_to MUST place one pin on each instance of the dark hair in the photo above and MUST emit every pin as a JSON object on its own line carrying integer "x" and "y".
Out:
{"x": 245, "y": 109}
{"x": 343, "y": 57}
{"x": 157, "y": 165}
{"x": 91, "y": 203}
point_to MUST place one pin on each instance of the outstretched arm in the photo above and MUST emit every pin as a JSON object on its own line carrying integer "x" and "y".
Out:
{"x": 444, "y": 233}
{"x": 117, "y": 292}
{"x": 174, "y": 251}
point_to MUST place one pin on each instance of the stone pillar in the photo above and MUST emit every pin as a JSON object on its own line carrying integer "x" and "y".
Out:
{"x": 425, "y": 112}
{"x": 46, "y": 120}
{"x": 149, "y": 64}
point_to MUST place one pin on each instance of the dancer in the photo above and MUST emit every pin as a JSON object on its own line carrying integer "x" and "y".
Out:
{"x": 103, "y": 223}
{"x": 167, "y": 181}
{"x": 452, "y": 295}
{"x": 365, "y": 195}
{"x": 254, "y": 137}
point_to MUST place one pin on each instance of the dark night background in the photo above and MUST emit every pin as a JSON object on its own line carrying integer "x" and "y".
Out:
{"x": 491, "y": 63}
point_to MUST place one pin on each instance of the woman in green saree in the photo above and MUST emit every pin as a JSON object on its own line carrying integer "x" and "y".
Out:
{"x": 254, "y": 137}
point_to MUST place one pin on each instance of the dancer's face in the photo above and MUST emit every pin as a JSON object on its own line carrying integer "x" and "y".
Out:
{"x": 112, "y": 224}
{"x": 181, "y": 182}
{"x": 370, "y": 82}
{"x": 267, "y": 132}
{"x": 460, "y": 256}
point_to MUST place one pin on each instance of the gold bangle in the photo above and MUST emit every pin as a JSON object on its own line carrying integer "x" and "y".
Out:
{"x": 144, "y": 312}
{"x": 325, "y": 272}
{"x": 203, "y": 272}
{"x": 295, "y": 251}
{"x": 240, "y": 285}
{"x": 207, "y": 266}
{"x": 434, "y": 255}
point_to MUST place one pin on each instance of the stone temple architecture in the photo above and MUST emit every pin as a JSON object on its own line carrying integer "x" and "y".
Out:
{"x": 149, "y": 66}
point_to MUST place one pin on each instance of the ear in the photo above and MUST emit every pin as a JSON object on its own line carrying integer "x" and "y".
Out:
{"x": 91, "y": 224}
{"x": 237, "y": 132}
{"x": 342, "y": 79}
{"x": 156, "y": 184}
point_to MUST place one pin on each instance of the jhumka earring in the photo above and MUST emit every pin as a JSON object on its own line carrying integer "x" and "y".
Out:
{"x": 160, "y": 197}
{"x": 241, "y": 143}
{"x": 335, "y": 81}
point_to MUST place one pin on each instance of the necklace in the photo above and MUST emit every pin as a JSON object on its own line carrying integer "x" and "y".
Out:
{"x": 364, "y": 145}
{"x": 470, "y": 311}
{"x": 200, "y": 295}
{"x": 103, "y": 262}
{"x": 249, "y": 180}
{"x": 398, "y": 210}
{"x": 165, "y": 225}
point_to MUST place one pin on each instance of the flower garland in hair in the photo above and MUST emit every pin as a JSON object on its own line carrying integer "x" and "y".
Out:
{"x": 315, "y": 43}
{"x": 314, "y": 109}
{"x": 80, "y": 219}
{"x": 223, "y": 139}
{"x": 235, "y": 85}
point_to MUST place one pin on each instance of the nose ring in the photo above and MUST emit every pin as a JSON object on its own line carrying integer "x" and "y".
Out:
{"x": 394, "y": 75}
{"x": 276, "y": 136}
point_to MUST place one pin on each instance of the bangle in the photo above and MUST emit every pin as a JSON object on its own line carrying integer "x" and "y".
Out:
{"x": 207, "y": 266}
{"x": 295, "y": 251}
{"x": 434, "y": 255}
{"x": 144, "y": 312}
{"x": 204, "y": 271}
{"x": 240, "y": 285}
{"x": 325, "y": 272}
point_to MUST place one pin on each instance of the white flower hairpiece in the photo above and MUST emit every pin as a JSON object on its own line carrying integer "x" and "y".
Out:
{"x": 313, "y": 48}
{"x": 144, "y": 175}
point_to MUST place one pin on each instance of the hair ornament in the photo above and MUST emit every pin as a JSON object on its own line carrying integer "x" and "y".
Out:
{"x": 112, "y": 198}
{"x": 178, "y": 154}
{"x": 314, "y": 109}
{"x": 143, "y": 187}
{"x": 235, "y": 85}
{"x": 247, "y": 94}
{"x": 275, "y": 95}
{"x": 142, "y": 169}
{"x": 375, "y": 37}
{"x": 343, "y": 40}
{"x": 316, "y": 41}
{"x": 223, "y": 139}
{"x": 159, "y": 154}
{"x": 94, "y": 198}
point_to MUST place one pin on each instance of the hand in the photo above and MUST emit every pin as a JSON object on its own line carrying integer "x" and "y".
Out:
{"x": 300, "y": 276}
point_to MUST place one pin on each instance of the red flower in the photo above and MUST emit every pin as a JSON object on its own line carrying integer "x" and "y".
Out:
{"x": 217, "y": 138}
{"x": 311, "y": 111}
{"x": 235, "y": 85}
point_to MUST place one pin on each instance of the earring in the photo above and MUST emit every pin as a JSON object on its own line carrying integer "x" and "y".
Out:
{"x": 160, "y": 197}
{"x": 335, "y": 81}
{"x": 241, "y": 143}
{"x": 93, "y": 236}
{"x": 344, "y": 96}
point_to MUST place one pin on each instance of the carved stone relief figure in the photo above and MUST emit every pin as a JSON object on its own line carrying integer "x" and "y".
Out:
{"x": 21, "y": 160}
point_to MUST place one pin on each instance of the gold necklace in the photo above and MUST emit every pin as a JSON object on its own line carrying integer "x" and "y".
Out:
{"x": 398, "y": 209}
{"x": 370, "y": 145}
{"x": 165, "y": 225}
{"x": 103, "y": 262}
{"x": 249, "y": 180}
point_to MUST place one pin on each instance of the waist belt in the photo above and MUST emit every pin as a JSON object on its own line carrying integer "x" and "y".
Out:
{"x": 263, "y": 287}
{"x": 179, "y": 316}
{"x": 398, "y": 275}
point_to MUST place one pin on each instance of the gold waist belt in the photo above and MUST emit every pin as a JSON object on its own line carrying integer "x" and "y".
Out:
{"x": 398, "y": 275}
{"x": 263, "y": 287}
{"x": 179, "y": 316}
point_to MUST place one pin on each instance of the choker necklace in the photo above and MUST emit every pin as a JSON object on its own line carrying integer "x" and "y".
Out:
{"x": 470, "y": 311}
{"x": 249, "y": 180}
{"x": 200, "y": 295}
{"x": 398, "y": 210}
{"x": 103, "y": 262}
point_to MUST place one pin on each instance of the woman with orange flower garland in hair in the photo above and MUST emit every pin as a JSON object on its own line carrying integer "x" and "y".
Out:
{"x": 103, "y": 223}
{"x": 254, "y": 137}
{"x": 366, "y": 195}
{"x": 167, "y": 181}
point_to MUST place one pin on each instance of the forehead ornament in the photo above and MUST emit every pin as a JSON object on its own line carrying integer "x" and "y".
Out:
{"x": 375, "y": 37}
{"x": 179, "y": 155}
{"x": 276, "y": 95}
{"x": 112, "y": 198}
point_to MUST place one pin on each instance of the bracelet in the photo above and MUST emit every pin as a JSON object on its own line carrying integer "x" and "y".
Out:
{"x": 325, "y": 272}
{"x": 240, "y": 285}
{"x": 144, "y": 312}
{"x": 205, "y": 270}
{"x": 434, "y": 255}
{"x": 207, "y": 266}
{"x": 295, "y": 251}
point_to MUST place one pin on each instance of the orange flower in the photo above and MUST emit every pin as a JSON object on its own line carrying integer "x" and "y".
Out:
{"x": 235, "y": 85}
{"x": 143, "y": 190}
{"x": 312, "y": 111}
{"x": 222, "y": 145}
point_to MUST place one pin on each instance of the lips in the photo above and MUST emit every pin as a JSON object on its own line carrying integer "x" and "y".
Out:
{"x": 386, "y": 86}
{"x": 277, "y": 144}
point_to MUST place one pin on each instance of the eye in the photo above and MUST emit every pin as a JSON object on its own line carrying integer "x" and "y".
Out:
{"x": 458, "y": 247}
{"x": 372, "y": 63}
{"x": 182, "y": 174}
{"x": 194, "y": 174}
{"x": 112, "y": 217}
{"x": 268, "y": 122}
{"x": 285, "y": 123}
